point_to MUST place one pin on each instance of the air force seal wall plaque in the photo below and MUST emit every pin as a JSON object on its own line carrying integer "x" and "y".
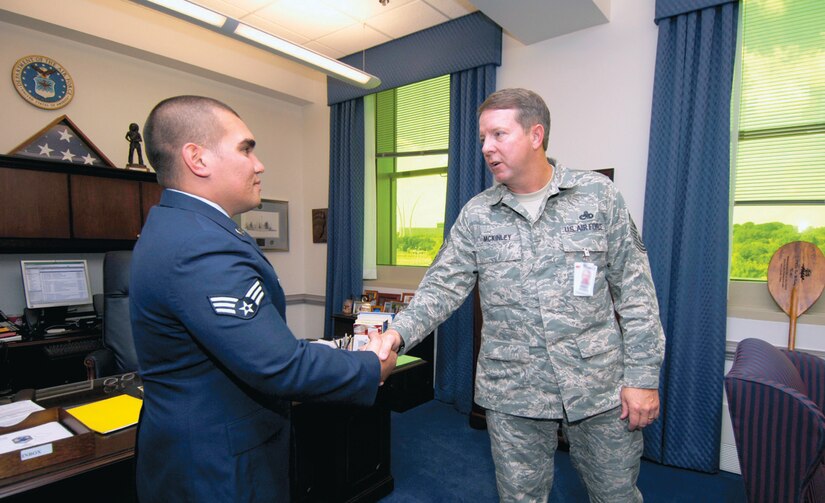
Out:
{"x": 43, "y": 82}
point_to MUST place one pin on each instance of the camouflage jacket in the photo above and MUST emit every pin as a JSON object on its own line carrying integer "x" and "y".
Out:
{"x": 545, "y": 351}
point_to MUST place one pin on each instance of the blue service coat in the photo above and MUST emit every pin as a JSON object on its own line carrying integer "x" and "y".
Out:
{"x": 219, "y": 365}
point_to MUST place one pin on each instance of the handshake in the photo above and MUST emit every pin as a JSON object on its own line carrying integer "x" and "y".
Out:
{"x": 386, "y": 347}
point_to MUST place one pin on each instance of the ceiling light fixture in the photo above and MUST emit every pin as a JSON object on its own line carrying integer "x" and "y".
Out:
{"x": 194, "y": 13}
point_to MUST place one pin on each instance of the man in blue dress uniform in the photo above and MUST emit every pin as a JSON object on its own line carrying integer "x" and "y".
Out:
{"x": 219, "y": 365}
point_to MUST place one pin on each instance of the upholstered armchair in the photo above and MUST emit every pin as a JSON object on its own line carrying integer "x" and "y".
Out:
{"x": 776, "y": 399}
{"x": 118, "y": 354}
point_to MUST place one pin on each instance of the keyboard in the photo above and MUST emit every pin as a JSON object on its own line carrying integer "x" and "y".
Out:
{"x": 68, "y": 349}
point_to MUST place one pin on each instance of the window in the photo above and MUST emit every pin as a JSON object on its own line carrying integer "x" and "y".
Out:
{"x": 779, "y": 191}
{"x": 412, "y": 138}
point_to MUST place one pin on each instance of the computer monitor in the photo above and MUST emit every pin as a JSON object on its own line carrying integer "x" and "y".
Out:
{"x": 56, "y": 283}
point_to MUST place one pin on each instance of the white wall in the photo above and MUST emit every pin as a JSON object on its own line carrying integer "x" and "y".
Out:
{"x": 598, "y": 84}
{"x": 114, "y": 89}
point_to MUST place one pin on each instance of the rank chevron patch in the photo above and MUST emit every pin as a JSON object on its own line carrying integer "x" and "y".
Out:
{"x": 245, "y": 307}
{"x": 637, "y": 239}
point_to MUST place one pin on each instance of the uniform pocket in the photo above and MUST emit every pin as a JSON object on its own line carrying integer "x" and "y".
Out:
{"x": 498, "y": 244}
{"x": 504, "y": 361}
{"x": 498, "y": 253}
{"x": 253, "y": 430}
{"x": 505, "y": 351}
{"x": 581, "y": 242}
{"x": 598, "y": 343}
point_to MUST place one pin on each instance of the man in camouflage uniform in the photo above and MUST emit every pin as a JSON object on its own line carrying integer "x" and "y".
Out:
{"x": 571, "y": 331}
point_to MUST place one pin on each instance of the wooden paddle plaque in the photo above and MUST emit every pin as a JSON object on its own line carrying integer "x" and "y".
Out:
{"x": 796, "y": 277}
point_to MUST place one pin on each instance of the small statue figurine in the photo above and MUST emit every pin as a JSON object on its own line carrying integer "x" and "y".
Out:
{"x": 134, "y": 139}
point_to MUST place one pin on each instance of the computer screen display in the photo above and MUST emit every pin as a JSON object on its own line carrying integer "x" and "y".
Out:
{"x": 54, "y": 283}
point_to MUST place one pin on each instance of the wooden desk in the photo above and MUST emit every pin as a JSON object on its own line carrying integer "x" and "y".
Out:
{"x": 332, "y": 462}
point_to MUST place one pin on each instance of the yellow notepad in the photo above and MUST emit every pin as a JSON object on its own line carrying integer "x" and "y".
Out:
{"x": 111, "y": 414}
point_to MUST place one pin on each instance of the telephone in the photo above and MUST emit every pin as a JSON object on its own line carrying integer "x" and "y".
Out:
{"x": 6, "y": 326}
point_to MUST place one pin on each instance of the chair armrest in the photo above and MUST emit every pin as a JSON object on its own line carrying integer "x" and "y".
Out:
{"x": 100, "y": 363}
{"x": 812, "y": 371}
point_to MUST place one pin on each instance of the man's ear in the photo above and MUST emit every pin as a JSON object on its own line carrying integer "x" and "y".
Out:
{"x": 193, "y": 158}
{"x": 537, "y": 136}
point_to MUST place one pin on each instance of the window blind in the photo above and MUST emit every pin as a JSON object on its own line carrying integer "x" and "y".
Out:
{"x": 414, "y": 118}
{"x": 781, "y": 147}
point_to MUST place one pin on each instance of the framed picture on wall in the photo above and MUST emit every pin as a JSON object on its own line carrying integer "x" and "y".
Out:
{"x": 608, "y": 172}
{"x": 268, "y": 224}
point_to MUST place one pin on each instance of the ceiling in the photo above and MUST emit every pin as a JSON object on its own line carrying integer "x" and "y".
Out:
{"x": 337, "y": 28}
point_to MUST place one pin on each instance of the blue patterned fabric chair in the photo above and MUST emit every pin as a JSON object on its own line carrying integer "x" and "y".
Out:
{"x": 776, "y": 399}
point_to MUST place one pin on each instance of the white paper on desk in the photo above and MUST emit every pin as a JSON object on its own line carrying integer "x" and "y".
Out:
{"x": 37, "y": 435}
{"x": 13, "y": 413}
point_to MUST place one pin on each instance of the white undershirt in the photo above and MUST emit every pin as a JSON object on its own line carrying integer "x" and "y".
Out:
{"x": 532, "y": 201}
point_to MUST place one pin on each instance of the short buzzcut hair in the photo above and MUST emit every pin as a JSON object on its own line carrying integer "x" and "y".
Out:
{"x": 175, "y": 122}
{"x": 530, "y": 108}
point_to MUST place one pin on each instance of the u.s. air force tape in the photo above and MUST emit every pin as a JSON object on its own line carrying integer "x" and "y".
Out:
{"x": 245, "y": 306}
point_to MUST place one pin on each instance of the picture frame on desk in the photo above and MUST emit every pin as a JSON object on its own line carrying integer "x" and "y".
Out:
{"x": 406, "y": 297}
{"x": 395, "y": 307}
{"x": 371, "y": 296}
{"x": 384, "y": 298}
{"x": 268, "y": 224}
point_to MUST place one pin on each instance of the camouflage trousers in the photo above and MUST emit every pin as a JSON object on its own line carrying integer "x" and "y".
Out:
{"x": 605, "y": 454}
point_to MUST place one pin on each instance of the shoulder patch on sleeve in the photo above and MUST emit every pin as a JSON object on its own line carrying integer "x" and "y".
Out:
{"x": 245, "y": 306}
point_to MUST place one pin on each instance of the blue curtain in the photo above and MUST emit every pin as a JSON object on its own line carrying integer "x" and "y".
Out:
{"x": 469, "y": 49}
{"x": 467, "y": 175}
{"x": 686, "y": 226}
{"x": 345, "y": 221}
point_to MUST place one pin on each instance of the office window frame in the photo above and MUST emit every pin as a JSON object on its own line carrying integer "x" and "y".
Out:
{"x": 392, "y": 162}
{"x": 749, "y": 298}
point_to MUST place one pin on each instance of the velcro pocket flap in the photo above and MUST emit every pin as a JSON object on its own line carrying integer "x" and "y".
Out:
{"x": 505, "y": 351}
{"x": 592, "y": 346}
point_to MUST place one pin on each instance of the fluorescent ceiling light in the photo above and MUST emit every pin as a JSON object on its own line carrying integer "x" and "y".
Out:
{"x": 302, "y": 54}
{"x": 192, "y": 12}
